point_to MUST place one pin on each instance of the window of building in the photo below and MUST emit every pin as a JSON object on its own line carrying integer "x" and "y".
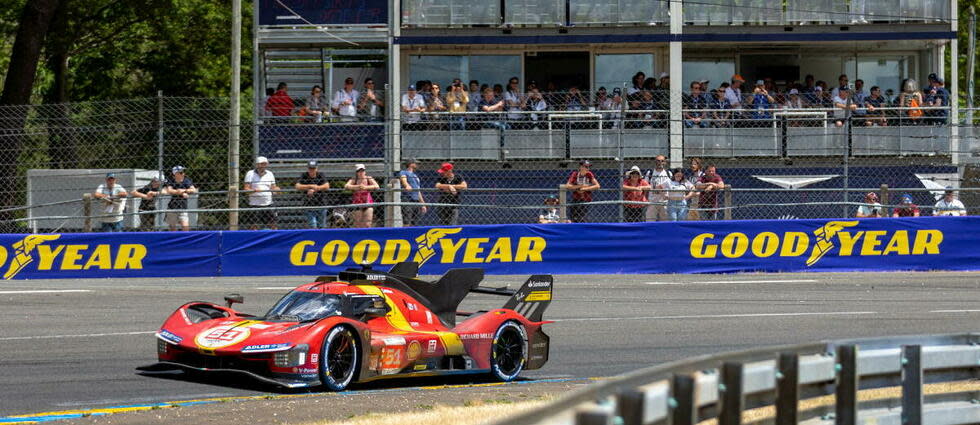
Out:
{"x": 715, "y": 70}
{"x": 488, "y": 69}
{"x": 615, "y": 70}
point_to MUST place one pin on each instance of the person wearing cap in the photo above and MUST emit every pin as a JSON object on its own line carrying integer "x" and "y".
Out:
{"x": 148, "y": 195}
{"x": 413, "y": 201}
{"x": 734, "y": 92}
{"x": 949, "y": 205}
{"x": 635, "y": 189}
{"x": 345, "y": 101}
{"x": 550, "y": 213}
{"x": 450, "y": 184}
{"x": 906, "y": 208}
{"x": 937, "y": 97}
{"x": 362, "y": 184}
{"x": 582, "y": 183}
{"x": 113, "y": 200}
{"x": 871, "y": 207}
{"x": 412, "y": 108}
{"x": 259, "y": 184}
{"x": 793, "y": 101}
{"x": 313, "y": 187}
{"x": 761, "y": 101}
{"x": 180, "y": 188}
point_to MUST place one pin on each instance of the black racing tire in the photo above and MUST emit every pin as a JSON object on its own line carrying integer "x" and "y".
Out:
{"x": 508, "y": 351}
{"x": 340, "y": 358}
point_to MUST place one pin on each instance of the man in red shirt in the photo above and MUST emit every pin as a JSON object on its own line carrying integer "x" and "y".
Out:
{"x": 907, "y": 209}
{"x": 710, "y": 184}
{"x": 635, "y": 189}
{"x": 280, "y": 104}
{"x": 582, "y": 183}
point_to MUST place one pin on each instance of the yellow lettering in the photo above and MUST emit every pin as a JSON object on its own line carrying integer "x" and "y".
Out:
{"x": 396, "y": 251}
{"x": 926, "y": 242}
{"x": 734, "y": 245}
{"x": 48, "y": 256}
{"x": 3, "y": 255}
{"x": 334, "y": 253}
{"x": 765, "y": 244}
{"x": 72, "y": 254}
{"x": 298, "y": 256}
{"x": 847, "y": 242}
{"x": 871, "y": 242}
{"x": 366, "y": 252}
{"x": 130, "y": 256}
{"x": 700, "y": 250}
{"x": 101, "y": 258}
{"x": 500, "y": 251}
{"x": 794, "y": 244}
{"x": 473, "y": 249}
{"x": 899, "y": 243}
{"x": 449, "y": 249}
{"x": 530, "y": 248}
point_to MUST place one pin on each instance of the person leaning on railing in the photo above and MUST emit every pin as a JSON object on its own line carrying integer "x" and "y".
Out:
{"x": 450, "y": 184}
{"x": 635, "y": 189}
{"x": 949, "y": 205}
{"x": 874, "y": 103}
{"x": 113, "y": 197}
{"x": 362, "y": 184}
{"x": 710, "y": 185}
{"x": 147, "y": 195}
{"x": 313, "y": 185}
{"x": 582, "y": 183}
{"x": 436, "y": 108}
{"x": 679, "y": 191}
{"x": 412, "y": 108}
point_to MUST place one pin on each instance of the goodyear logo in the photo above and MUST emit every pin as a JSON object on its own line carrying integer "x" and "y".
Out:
{"x": 50, "y": 255}
{"x": 834, "y": 235}
{"x": 440, "y": 245}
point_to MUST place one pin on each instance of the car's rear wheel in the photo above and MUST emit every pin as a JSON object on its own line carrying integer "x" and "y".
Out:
{"x": 340, "y": 358}
{"x": 508, "y": 351}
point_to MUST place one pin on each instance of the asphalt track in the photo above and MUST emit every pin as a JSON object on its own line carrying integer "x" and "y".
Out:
{"x": 74, "y": 344}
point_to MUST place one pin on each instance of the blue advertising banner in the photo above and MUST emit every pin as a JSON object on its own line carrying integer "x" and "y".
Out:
{"x": 322, "y": 12}
{"x": 925, "y": 243}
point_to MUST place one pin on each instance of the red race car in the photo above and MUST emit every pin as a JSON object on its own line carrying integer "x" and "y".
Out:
{"x": 363, "y": 325}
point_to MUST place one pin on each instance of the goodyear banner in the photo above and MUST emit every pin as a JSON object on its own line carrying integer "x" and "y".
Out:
{"x": 925, "y": 243}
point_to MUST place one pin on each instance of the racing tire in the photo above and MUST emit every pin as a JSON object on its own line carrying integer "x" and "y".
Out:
{"x": 340, "y": 358}
{"x": 508, "y": 351}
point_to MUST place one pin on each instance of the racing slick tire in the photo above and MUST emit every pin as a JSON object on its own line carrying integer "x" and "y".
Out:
{"x": 340, "y": 357}
{"x": 508, "y": 351}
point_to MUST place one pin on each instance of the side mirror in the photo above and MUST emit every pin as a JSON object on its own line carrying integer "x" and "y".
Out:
{"x": 231, "y": 299}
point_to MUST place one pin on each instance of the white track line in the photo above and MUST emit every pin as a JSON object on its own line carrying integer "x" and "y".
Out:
{"x": 44, "y": 291}
{"x": 954, "y": 311}
{"x": 735, "y": 281}
{"x": 721, "y": 316}
{"x": 23, "y": 338}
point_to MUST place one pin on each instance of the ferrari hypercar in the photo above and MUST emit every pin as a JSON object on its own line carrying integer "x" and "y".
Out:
{"x": 363, "y": 325}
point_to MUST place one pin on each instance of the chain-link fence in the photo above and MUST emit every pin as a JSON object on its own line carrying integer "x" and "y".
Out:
{"x": 518, "y": 155}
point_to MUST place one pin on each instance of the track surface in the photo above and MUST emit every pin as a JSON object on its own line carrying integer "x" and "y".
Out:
{"x": 77, "y": 350}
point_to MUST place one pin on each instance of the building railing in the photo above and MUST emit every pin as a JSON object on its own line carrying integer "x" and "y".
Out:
{"x": 723, "y": 387}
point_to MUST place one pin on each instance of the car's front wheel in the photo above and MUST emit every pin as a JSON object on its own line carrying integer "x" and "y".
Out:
{"x": 508, "y": 352}
{"x": 340, "y": 358}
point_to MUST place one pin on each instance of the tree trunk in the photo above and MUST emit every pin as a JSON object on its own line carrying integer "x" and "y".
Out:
{"x": 31, "y": 33}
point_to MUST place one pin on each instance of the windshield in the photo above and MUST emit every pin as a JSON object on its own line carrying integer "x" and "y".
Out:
{"x": 302, "y": 306}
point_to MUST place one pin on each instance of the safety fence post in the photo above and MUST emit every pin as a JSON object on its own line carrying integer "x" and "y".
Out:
{"x": 728, "y": 202}
{"x": 87, "y": 211}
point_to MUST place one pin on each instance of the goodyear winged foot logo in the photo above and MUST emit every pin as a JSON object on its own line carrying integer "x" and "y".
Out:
{"x": 52, "y": 253}
{"x": 22, "y": 253}
{"x": 832, "y": 236}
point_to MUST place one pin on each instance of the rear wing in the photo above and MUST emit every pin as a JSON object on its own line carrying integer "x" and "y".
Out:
{"x": 533, "y": 298}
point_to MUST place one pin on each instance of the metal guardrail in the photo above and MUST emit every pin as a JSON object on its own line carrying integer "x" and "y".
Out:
{"x": 722, "y": 387}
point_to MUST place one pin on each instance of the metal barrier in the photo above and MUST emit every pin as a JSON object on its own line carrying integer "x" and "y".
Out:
{"x": 722, "y": 387}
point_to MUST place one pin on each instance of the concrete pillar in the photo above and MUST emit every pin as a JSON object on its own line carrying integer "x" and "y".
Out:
{"x": 676, "y": 154}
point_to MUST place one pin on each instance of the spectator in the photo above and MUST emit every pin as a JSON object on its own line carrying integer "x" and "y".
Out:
{"x": 661, "y": 95}
{"x": 412, "y": 107}
{"x": 823, "y": 97}
{"x": 841, "y": 83}
{"x": 362, "y": 185}
{"x": 535, "y": 102}
{"x": 648, "y": 106}
{"x": 315, "y": 105}
{"x": 575, "y": 100}
{"x": 694, "y": 104}
{"x": 637, "y": 86}
{"x": 659, "y": 178}
{"x": 474, "y": 94}
{"x": 280, "y": 104}
{"x": 345, "y": 101}
{"x": 720, "y": 109}
{"x": 371, "y": 104}
{"x": 635, "y": 189}
{"x": 871, "y": 207}
{"x": 809, "y": 90}
{"x": 761, "y": 101}
{"x": 113, "y": 203}
{"x": 734, "y": 92}
{"x": 793, "y": 101}
{"x": 314, "y": 186}
{"x": 550, "y": 214}
{"x": 843, "y": 106}
{"x": 949, "y": 205}
{"x": 693, "y": 177}
{"x": 491, "y": 107}
{"x": 911, "y": 100}
{"x": 858, "y": 93}
{"x": 874, "y": 103}
{"x": 937, "y": 97}
{"x": 679, "y": 191}
{"x": 260, "y": 183}
{"x": 513, "y": 100}
{"x": 450, "y": 184}
{"x": 436, "y": 103}
{"x": 709, "y": 185}
{"x": 148, "y": 195}
{"x": 907, "y": 208}
{"x": 179, "y": 187}
{"x": 413, "y": 202}
{"x": 498, "y": 92}
{"x": 601, "y": 96}
{"x": 457, "y": 99}
{"x": 582, "y": 183}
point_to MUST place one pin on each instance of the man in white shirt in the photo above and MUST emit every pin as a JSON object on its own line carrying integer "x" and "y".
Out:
{"x": 949, "y": 205}
{"x": 659, "y": 178}
{"x": 113, "y": 203}
{"x": 259, "y": 184}
{"x": 412, "y": 107}
{"x": 345, "y": 101}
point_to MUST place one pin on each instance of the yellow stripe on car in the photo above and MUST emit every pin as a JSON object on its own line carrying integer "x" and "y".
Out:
{"x": 397, "y": 320}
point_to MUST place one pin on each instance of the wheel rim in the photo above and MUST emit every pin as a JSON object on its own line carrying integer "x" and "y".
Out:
{"x": 508, "y": 352}
{"x": 340, "y": 352}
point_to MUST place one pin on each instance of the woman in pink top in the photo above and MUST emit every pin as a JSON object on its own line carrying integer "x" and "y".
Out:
{"x": 362, "y": 185}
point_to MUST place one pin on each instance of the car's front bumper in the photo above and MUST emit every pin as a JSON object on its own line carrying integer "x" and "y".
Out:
{"x": 288, "y": 382}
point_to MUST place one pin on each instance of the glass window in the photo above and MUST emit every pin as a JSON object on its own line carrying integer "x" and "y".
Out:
{"x": 823, "y": 68}
{"x": 616, "y": 70}
{"x": 440, "y": 69}
{"x": 715, "y": 70}
{"x": 491, "y": 69}
{"x": 495, "y": 69}
{"x": 884, "y": 72}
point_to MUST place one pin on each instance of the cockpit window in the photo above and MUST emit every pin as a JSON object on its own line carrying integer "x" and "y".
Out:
{"x": 302, "y": 306}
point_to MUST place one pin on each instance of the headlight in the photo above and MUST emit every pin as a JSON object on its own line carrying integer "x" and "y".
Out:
{"x": 291, "y": 358}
